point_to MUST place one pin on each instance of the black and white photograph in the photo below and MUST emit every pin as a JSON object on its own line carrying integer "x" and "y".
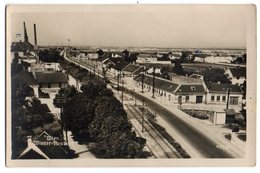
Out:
{"x": 144, "y": 85}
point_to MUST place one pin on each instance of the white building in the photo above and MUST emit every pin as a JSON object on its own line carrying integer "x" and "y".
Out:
{"x": 218, "y": 93}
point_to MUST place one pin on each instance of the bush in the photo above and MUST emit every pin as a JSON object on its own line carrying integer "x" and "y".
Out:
{"x": 203, "y": 115}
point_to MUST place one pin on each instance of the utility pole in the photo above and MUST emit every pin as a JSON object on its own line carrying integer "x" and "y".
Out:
{"x": 117, "y": 83}
{"x": 153, "y": 80}
{"x": 143, "y": 82}
{"x": 94, "y": 71}
{"x": 98, "y": 75}
{"x": 122, "y": 93}
{"x": 61, "y": 100}
{"x": 228, "y": 98}
{"x": 143, "y": 117}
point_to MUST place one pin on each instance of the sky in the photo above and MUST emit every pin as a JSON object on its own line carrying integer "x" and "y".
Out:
{"x": 171, "y": 26}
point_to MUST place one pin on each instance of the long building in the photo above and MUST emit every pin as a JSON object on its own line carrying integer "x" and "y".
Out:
{"x": 187, "y": 90}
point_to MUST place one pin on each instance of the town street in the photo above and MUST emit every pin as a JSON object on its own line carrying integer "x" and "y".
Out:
{"x": 204, "y": 145}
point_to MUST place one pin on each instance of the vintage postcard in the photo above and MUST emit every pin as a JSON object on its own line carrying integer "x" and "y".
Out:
{"x": 130, "y": 85}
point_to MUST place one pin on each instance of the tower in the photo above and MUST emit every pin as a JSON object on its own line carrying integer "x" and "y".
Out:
{"x": 35, "y": 37}
{"x": 25, "y": 33}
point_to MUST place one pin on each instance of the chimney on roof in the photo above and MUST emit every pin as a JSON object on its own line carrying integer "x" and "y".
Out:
{"x": 29, "y": 141}
{"x": 35, "y": 37}
{"x": 25, "y": 33}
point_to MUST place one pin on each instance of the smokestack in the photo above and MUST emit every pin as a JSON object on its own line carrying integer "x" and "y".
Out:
{"x": 25, "y": 33}
{"x": 35, "y": 37}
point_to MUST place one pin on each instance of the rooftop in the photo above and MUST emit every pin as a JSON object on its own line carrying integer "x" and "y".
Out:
{"x": 213, "y": 87}
{"x": 21, "y": 46}
{"x": 238, "y": 72}
{"x": 163, "y": 84}
{"x": 184, "y": 79}
{"x": 131, "y": 68}
{"x": 25, "y": 78}
{"x": 191, "y": 89}
{"x": 56, "y": 77}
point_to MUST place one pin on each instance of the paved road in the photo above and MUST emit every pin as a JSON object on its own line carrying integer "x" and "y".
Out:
{"x": 204, "y": 145}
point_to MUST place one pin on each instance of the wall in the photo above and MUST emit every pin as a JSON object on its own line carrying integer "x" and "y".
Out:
{"x": 221, "y": 98}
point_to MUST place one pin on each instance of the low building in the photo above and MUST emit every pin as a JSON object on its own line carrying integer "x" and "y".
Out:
{"x": 236, "y": 75}
{"x": 51, "y": 82}
{"x": 132, "y": 70}
{"x": 26, "y": 79}
{"x": 218, "y": 93}
{"x": 191, "y": 93}
{"x": 116, "y": 65}
{"x": 23, "y": 51}
{"x": 44, "y": 147}
{"x": 172, "y": 91}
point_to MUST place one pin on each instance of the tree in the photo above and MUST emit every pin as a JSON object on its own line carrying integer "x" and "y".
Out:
{"x": 66, "y": 93}
{"x": 50, "y": 55}
{"x": 178, "y": 69}
{"x": 215, "y": 75}
{"x": 100, "y": 53}
{"x": 78, "y": 114}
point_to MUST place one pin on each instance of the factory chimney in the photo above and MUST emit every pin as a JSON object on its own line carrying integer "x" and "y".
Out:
{"x": 25, "y": 33}
{"x": 35, "y": 37}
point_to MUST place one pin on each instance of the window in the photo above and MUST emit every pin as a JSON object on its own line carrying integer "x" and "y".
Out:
{"x": 193, "y": 88}
{"x": 223, "y": 98}
{"x": 59, "y": 85}
{"x": 164, "y": 94}
{"x": 213, "y": 98}
{"x": 218, "y": 98}
{"x": 49, "y": 85}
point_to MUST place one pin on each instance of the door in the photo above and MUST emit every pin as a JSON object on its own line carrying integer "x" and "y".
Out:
{"x": 180, "y": 99}
{"x": 199, "y": 99}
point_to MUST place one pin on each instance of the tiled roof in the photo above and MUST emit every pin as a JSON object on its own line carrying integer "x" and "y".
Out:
{"x": 56, "y": 77}
{"x": 159, "y": 83}
{"x": 223, "y": 88}
{"x": 191, "y": 89}
{"x": 121, "y": 66}
{"x": 25, "y": 78}
{"x": 238, "y": 72}
{"x": 138, "y": 71}
{"x": 21, "y": 46}
{"x": 131, "y": 68}
{"x": 53, "y": 151}
{"x": 184, "y": 79}
{"x": 102, "y": 59}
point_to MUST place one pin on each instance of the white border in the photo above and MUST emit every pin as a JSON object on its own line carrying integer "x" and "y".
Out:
{"x": 2, "y": 87}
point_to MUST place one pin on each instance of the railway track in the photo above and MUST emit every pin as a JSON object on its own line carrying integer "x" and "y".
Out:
{"x": 161, "y": 143}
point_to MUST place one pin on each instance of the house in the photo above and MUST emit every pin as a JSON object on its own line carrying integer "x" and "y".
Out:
{"x": 24, "y": 50}
{"x": 156, "y": 70}
{"x": 44, "y": 147}
{"x": 132, "y": 70}
{"x": 177, "y": 91}
{"x": 236, "y": 75}
{"x": 25, "y": 78}
{"x": 51, "y": 82}
{"x": 116, "y": 65}
{"x": 197, "y": 76}
{"x": 190, "y": 93}
{"x": 101, "y": 62}
{"x": 218, "y": 93}
{"x": 152, "y": 59}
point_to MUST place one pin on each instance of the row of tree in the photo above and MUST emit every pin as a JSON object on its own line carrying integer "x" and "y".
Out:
{"x": 49, "y": 55}
{"x": 95, "y": 115}
{"x": 28, "y": 116}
